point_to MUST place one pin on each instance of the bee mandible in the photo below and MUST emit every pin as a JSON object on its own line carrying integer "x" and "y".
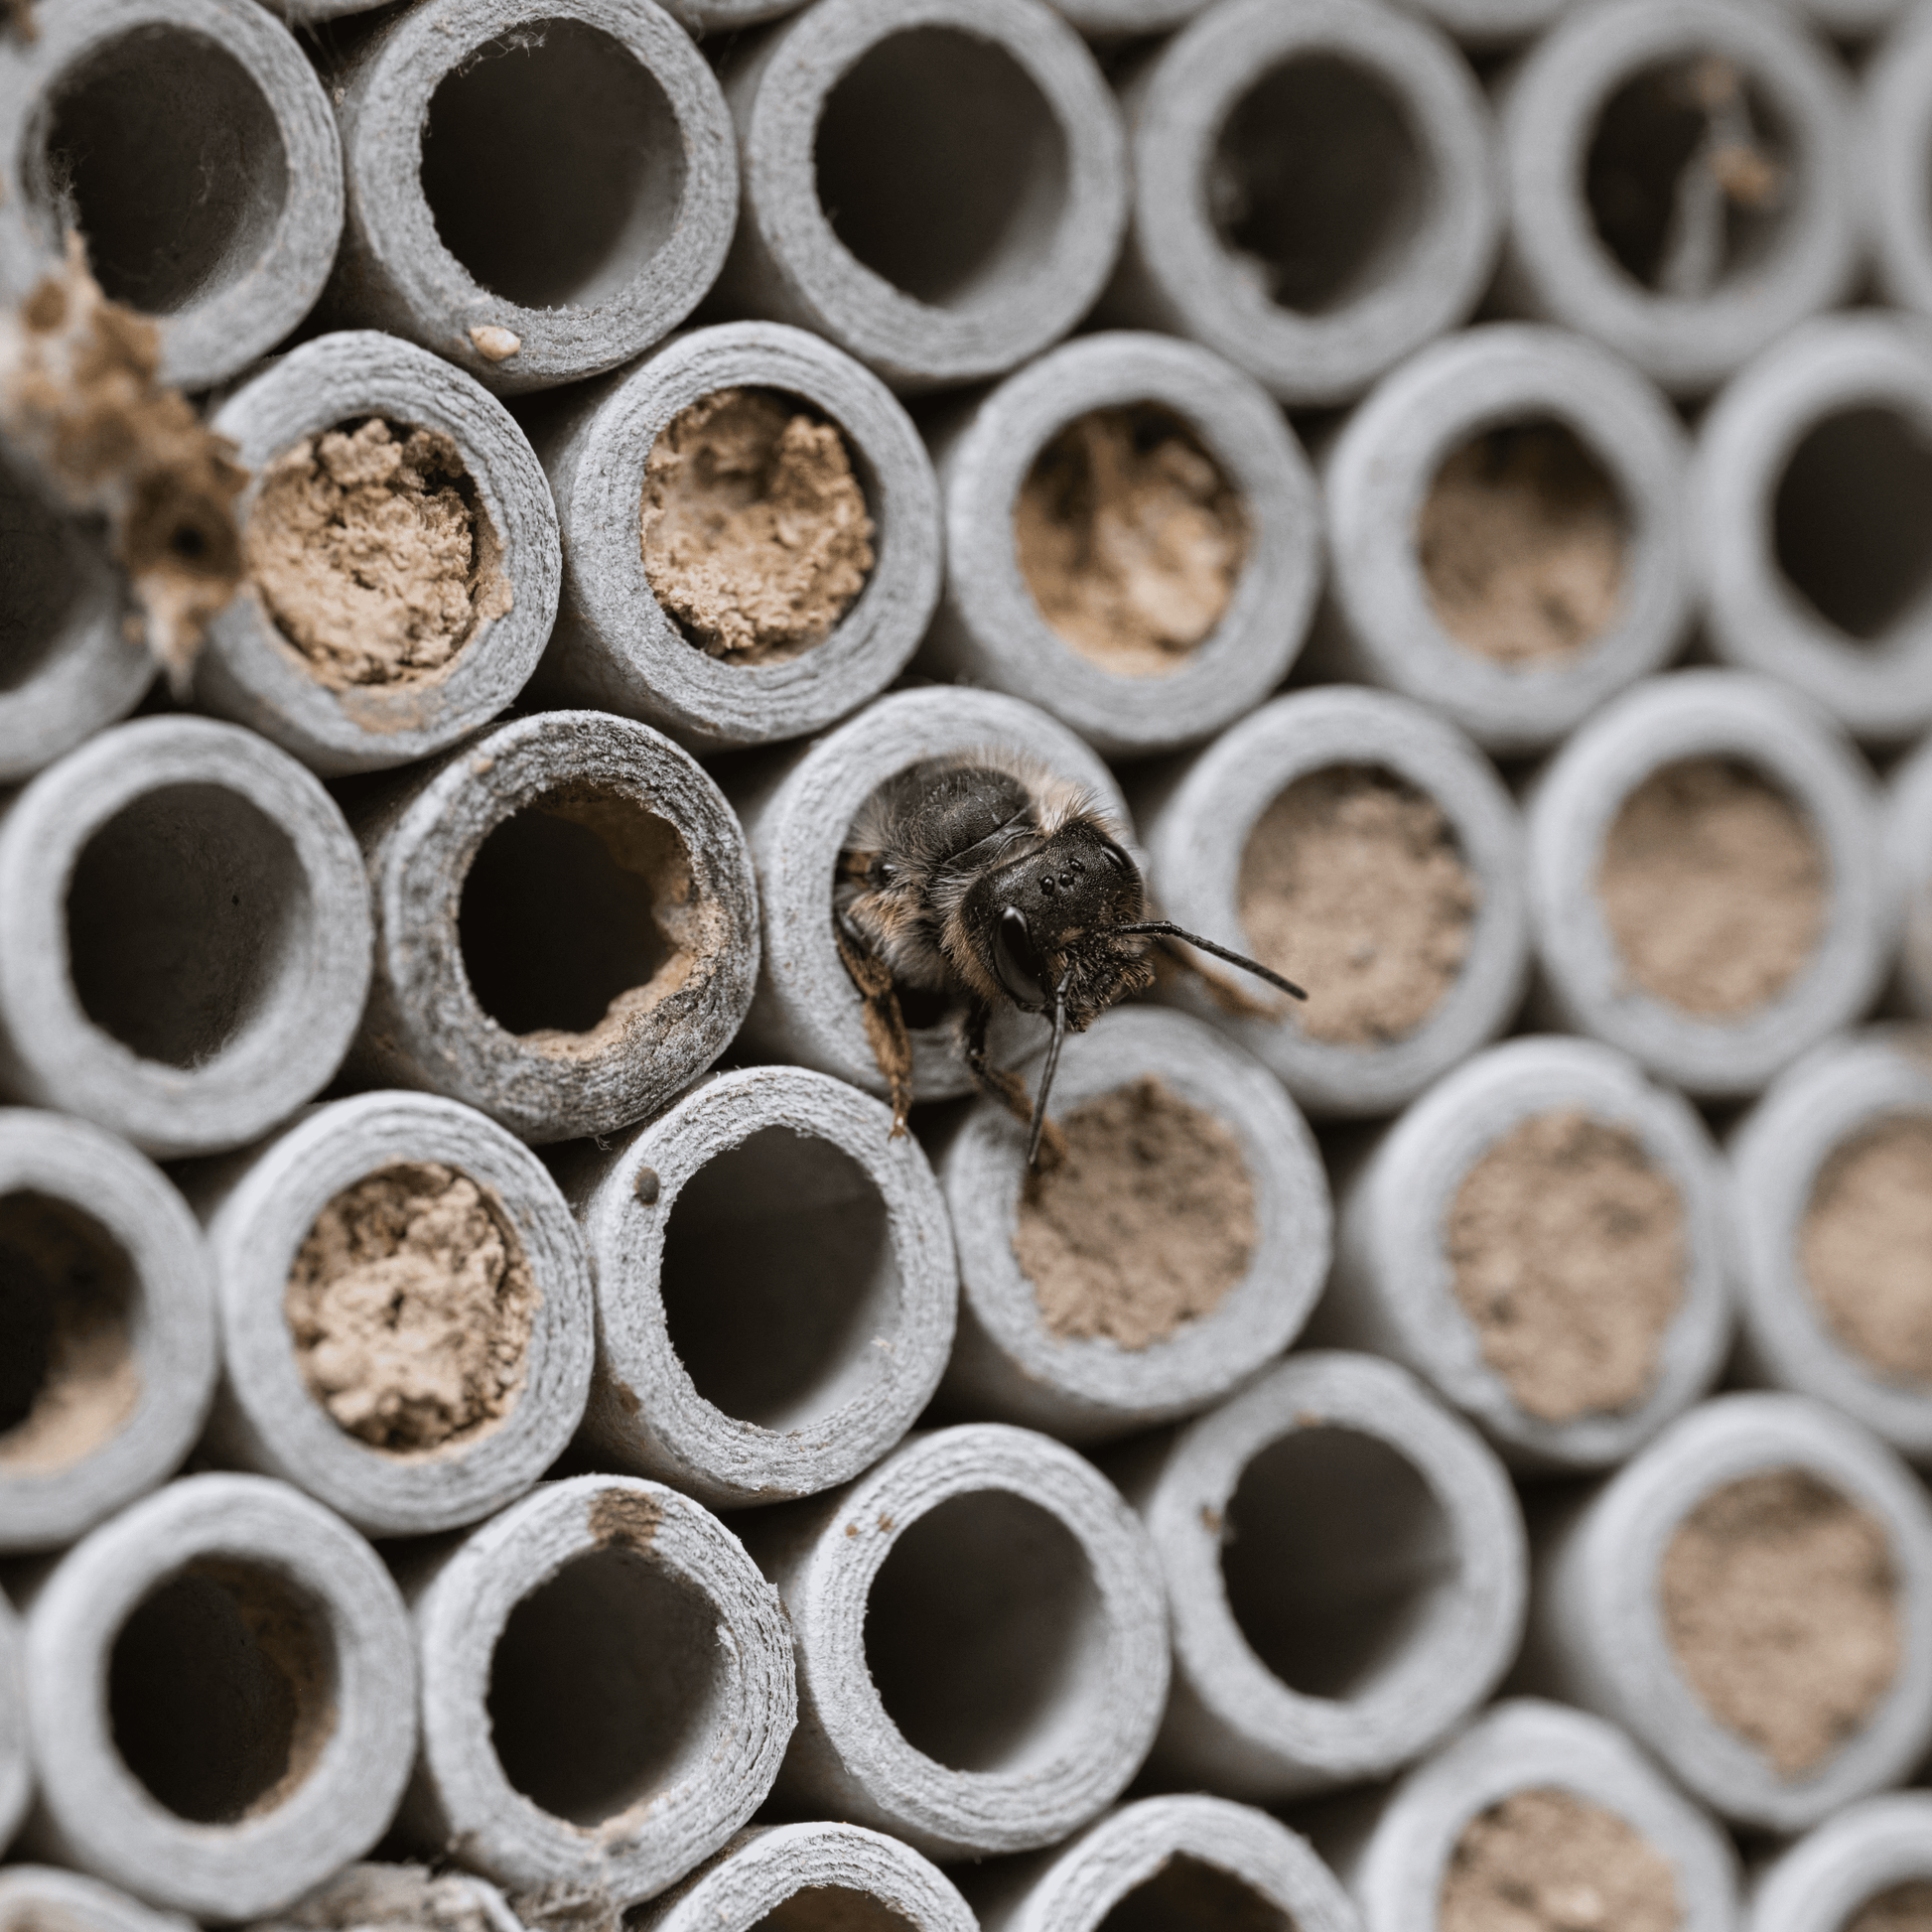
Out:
{"x": 984, "y": 879}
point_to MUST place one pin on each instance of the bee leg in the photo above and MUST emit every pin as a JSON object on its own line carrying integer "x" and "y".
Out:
{"x": 996, "y": 1083}
{"x": 891, "y": 1045}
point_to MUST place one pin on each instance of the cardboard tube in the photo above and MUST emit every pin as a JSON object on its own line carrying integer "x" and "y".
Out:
{"x": 1008, "y": 1364}
{"x": 1486, "y": 26}
{"x": 1200, "y": 815}
{"x": 812, "y": 1878}
{"x": 982, "y": 1652}
{"x": 43, "y": 1894}
{"x": 775, "y": 1288}
{"x": 190, "y": 141}
{"x": 937, "y": 186}
{"x": 1809, "y": 478}
{"x": 525, "y": 259}
{"x": 1822, "y": 1882}
{"x": 1379, "y": 473}
{"x": 16, "y": 1771}
{"x": 1393, "y": 1283}
{"x": 1402, "y": 1849}
{"x": 1598, "y": 1635}
{"x": 1344, "y": 1566}
{"x": 606, "y": 1691}
{"x": 1314, "y": 292}
{"x": 990, "y": 630}
{"x": 1908, "y": 869}
{"x": 1178, "y": 1860}
{"x": 187, "y": 938}
{"x": 250, "y": 672}
{"x": 1739, "y": 719}
{"x": 617, "y": 648}
{"x": 566, "y": 924}
{"x": 1731, "y": 299}
{"x": 1895, "y": 120}
{"x": 94, "y": 1231}
{"x": 260, "y": 1209}
{"x": 221, "y": 1698}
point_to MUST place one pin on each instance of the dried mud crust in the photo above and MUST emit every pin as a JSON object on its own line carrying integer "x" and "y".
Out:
{"x": 1713, "y": 887}
{"x": 1130, "y": 538}
{"x": 408, "y": 1895}
{"x": 1351, "y": 884}
{"x": 1568, "y": 1251}
{"x": 1865, "y": 1246}
{"x": 411, "y": 1304}
{"x": 1780, "y": 1605}
{"x": 1145, "y": 1223}
{"x": 373, "y": 555}
{"x": 1521, "y": 542}
{"x": 753, "y": 528}
{"x": 1547, "y": 1860}
{"x": 69, "y": 1378}
{"x": 1898, "y": 1909}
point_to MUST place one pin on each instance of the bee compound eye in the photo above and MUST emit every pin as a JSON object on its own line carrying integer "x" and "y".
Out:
{"x": 1015, "y": 960}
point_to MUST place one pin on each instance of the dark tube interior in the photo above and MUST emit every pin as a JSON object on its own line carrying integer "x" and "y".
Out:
{"x": 1187, "y": 1895}
{"x": 833, "y": 1908}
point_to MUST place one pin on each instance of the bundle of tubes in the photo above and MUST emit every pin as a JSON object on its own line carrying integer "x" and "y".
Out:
{"x": 541, "y": 1383}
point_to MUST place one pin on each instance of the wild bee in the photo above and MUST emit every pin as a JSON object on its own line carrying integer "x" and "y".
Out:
{"x": 985, "y": 880}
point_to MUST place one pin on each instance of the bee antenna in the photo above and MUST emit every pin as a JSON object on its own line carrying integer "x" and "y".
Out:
{"x": 1167, "y": 930}
{"x": 1053, "y": 1067}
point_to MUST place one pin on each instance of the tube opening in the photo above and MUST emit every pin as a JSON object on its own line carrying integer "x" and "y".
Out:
{"x": 984, "y": 1634}
{"x": 1131, "y": 538}
{"x": 164, "y": 153}
{"x": 1849, "y": 521}
{"x": 221, "y": 1690}
{"x": 1714, "y": 887}
{"x": 579, "y": 912}
{"x": 69, "y": 1378}
{"x": 1545, "y": 1857}
{"x": 833, "y": 1908}
{"x": 606, "y": 1683}
{"x": 942, "y": 168}
{"x": 1187, "y": 1893}
{"x": 553, "y": 165}
{"x": 1317, "y": 186}
{"x": 1688, "y": 177}
{"x": 1338, "y": 1557}
{"x": 1354, "y": 885}
{"x": 181, "y": 915}
{"x": 411, "y": 1306}
{"x": 41, "y": 585}
{"x": 1898, "y": 1909}
{"x": 1521, "y": 544}
{"x": 779, "y": 1284}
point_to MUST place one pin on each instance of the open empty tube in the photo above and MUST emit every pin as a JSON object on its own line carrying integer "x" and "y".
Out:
{"x": 1565, "y": 1801}
{"x": 982, "y": 1652}
{"x": 187, "y": 938}
{"x": 385, "y": 614}
{"x": 1314, "y": 191}
{"x": 798, "y": 808}
{"x": 775, "y": 1288}
{"x": 1855, "y": 1863}
{"x": 812, "y": 1878}
{"x": 1344, "y": 1566}
{"x": 1265, "y": 840}
{"x": 15, "y": 1772}
{"x": 1908, "y": 867}
{"x": 1750, "y": 1597}
{"x": 45, "y": 1894}
{"x": 566, "y": 924}
{"x": 1182, "y": 1249}
{"x": 405, "y": 1309}
{"x": 1542, "y": 1238}
{"x": 1681, "y": 182}
{"x": 938, "y": 185}
{"x": 1830, "y": 1171}
{"x": 606, "y": 1691}
{"x": 1167, "y": 1862}
{"x": 108, "y": 1306}
{"x": 221, "y": 1698}
{"x": 620, "y": 648}
{"x": 1143, "y": 643}
{"x": 539, "y": 190}
{"x": 190, "y": 144}
{"x": 66, "y": 666}
{"x": 1813, "y": 483}
{"x": 1706, "y": 879}
{"x": 1506, "y": 527}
